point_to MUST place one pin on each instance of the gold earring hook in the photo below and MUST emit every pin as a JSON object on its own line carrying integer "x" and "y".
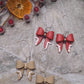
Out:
{"x": 29, "y": 57}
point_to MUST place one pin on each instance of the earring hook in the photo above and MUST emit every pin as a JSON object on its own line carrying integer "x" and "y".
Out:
{"x": 47, "y": 27}
{"x": 66, "y": 33}
{"x": 31, "y": 53}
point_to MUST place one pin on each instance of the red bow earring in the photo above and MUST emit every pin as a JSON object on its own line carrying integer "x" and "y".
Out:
{"x": 60, "y": 39}
{"x": 47, "y": 35}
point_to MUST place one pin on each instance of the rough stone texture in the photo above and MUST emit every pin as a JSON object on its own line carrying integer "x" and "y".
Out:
{"x": 18, "y": 43}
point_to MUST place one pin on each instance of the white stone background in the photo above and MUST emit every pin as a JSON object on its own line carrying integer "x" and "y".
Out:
{"x": 18, "y": 42}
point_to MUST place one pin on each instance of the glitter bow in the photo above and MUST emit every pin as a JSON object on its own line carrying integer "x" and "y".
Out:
{"x": 60, "y": 39}
{"x": 47, "y": 35}
{"x": 42, "y": 80}
{"x": 25, "y": 66}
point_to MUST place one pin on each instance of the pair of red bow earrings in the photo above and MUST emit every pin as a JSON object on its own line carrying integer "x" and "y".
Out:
{"x": 60, "y": 39}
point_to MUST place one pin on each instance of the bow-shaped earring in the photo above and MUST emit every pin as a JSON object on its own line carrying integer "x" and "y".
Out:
{"x": 42, "y": 80}
{"x": 60, "y": 39}
{"x": 47, "y": 35}
{"x": 25, "y": 66}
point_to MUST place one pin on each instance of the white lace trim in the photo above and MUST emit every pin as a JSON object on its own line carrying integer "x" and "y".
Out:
{"x": 48, "y": 44}
{"x": 59, "y": 48}
{"x": 29, "y": 74}
{"x": 69, "y": 49}
{"x": 19, "y": 73}
{"x": 36, "y": 40}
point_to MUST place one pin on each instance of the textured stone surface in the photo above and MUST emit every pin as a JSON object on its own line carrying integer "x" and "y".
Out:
{"x": 18, "y": 43}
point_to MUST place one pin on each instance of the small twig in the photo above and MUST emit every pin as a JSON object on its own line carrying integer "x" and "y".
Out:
{"x": 6, "y": 20}
{"x": 2, "y": 8}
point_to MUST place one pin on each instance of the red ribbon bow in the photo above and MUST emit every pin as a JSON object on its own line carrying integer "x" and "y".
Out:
{"x": 60, "y": 39}
{"x": 41, "y": 34}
